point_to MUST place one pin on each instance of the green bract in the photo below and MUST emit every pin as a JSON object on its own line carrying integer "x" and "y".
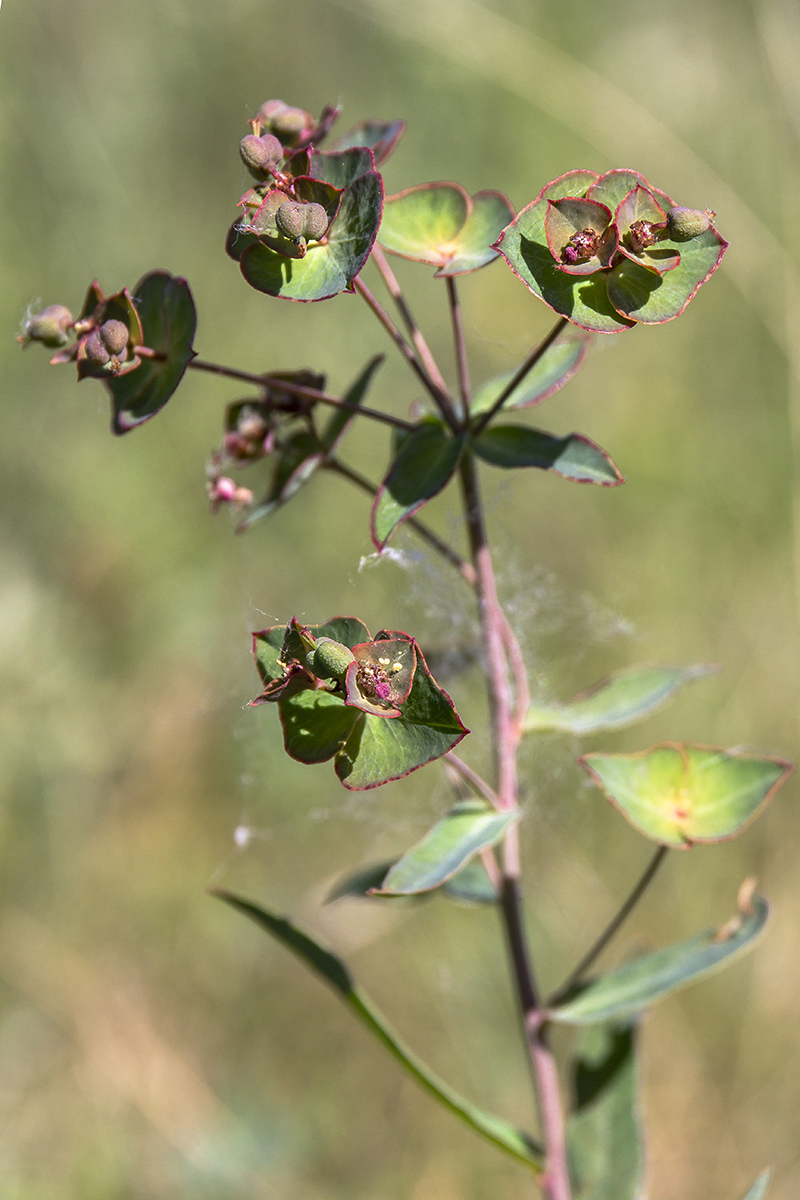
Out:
{"x": 386, "y": 719}
{"x": 679, "y": 794}
{"x": 601, "y": 251}
{"x": 442, "y": 225}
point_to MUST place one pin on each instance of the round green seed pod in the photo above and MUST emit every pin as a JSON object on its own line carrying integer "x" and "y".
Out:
{"x": 315, "y": 220}
{"x": 114, "y": 336}
{"x": 329, "y": 659}
{"x": 95, "y": 351}
{"x": 687, "y": 222}
{"x": 259, "y": 154}
{"x": 290, "y": 219}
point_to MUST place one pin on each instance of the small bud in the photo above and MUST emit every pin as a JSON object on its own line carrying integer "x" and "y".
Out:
{"x": 260, "y": 154}
{"x": 114, "y": 336}
{"x": 251, "y": 425}
{"x": 290, "y": 219}
{"x": 315, "y": 221}
{"x": 95, "y": 351}
{"x": 269, "y": 110}
{"x": 225, "y": 491}
{"x": 290, "y": 122}
{"x": 688, "y": 222}
{"x": 48, "y": 327}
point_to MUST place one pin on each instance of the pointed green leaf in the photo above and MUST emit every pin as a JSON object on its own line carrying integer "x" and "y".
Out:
{"x": 491, "y": 212}
{"x": 468, "y": 828}
{"x": 653, "y": 299}
{"x": 297, "y": 461}
{"x": 573, "y": 457}
{"x": 328, "y": 268}
{"x": 680, "y": 794}
{"x": 583, "y": 299}
{"x": 167, "y": 313}
{"x": 331, "y": 968}
{"x": 604, "y": 1133}
{"x": 380, "y": 749}
{"x": 338, "y": 423}
{"x": 761, "y": 1186}
{"x": 424, "y": 465}
{"x": 380, "y": 136}
{"x": 423, "y": 222}
{"x": 360, "y": 884}
{"x": 555, "y": 368}
{"x": 616, "y": 701}
{"x": 640, "y": 983}
{"x": 470, "y": 885}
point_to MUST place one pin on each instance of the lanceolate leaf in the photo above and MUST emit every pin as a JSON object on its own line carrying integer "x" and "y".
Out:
{"x": 680, "y": 794}
{"x": 341, "y": 418}
{"x": 468, "y": 828}
{"x": 632, "y": 988}
{"x": 761, "y": 1186}
{"x": 425, "y": 463}
{"x": 555, "y": 368}
{"x": 328, "y": 268}
{"x": 334, "y": 972}
{"x": 470, "y": 885}
{"x": 573, "y": 457}
{"x": 167, "y": 313}
{"x": 604, "y": 1134}
{"x": 615, "y": 702}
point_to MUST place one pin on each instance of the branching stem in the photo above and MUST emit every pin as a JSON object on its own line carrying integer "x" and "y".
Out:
{"x": 621, "y": 915}
{"x": 415, "y": 333}
{"x": 293, "y": 389}
{"x": 461, "y": 348}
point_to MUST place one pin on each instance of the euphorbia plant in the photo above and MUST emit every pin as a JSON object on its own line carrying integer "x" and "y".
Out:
{"x": 606, "y": 252}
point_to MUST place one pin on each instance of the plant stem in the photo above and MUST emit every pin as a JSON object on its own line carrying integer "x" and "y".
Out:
{"x": 461, "y": 348}
{"x": 472, "y": 778}
{"x": 464, "y": 568}
{"x": 414, "y": 331}
{"x": 622, "y": 914}
{"x": 293, "y": 389}
{"x": 528, "y": 365}
{"x": 505, "y": 738}
{"x": 440, "y": 398}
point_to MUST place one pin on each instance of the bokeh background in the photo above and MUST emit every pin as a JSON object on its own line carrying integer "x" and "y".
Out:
{"x": 154, "y": 1045}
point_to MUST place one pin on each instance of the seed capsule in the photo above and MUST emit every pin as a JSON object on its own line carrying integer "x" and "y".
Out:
{"x": 329, "y": 659}
{"x": 114, "y": 336}
{"x": 95, "y": 351}
{"x": 315, "y": 221}
{"x": 688, "y": 222}
{"x": 260, "y": 154}
{"x": 290, "y": 219}
{"x": 48, "y": 327}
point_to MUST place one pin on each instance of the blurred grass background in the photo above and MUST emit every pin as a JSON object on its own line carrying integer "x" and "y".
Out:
{"x": 151, "y": 1044}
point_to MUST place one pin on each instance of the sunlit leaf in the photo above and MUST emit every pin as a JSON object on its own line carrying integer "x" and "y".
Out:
{"x": 468, "y": 828}
{"x": 604, "y": 1132}
{"x": 680, "y": 794}
{"x": 555, "y": 368}
{"x": 573, "y": 457}
{"x": 334, "y": 972}
{"x": 441, "y": 225}
{"x": 634, "y": 987}
{"x": 616, "y": 701}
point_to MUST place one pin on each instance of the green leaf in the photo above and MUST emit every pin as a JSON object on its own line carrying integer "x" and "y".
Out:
{"x": 573, "y": 183}
{"x": 334, "y": 972}
{"x": 328, "y": 268}
{"x": 468, "y": 828}
{"x": 640, "y": 983}
{"x": 380, "y": 749}
{"x": 423, "y": 222}
{"x": 616, "y": 701}
{"x": 612, "y": 188}
{"x": 652, "y": 299}
{"x": 361, "y": 884}
{"x": 424, "y": 465}
{"x": 441, "y": 225}
{"x": 380, "y": 136}
{"x": 583, "y": 299}
{"x": 341, "y": 168}
{"x": 469, "y": 885}
{"x": 680, "y": 794}
{"x": 316, "y": 725}
{"x": 761, "y": 1186}
{"x": 491, "y": 212}
{"x": 573, "y": 457}
{"x": 167, "y": 313}
{"x": 605, "y": 1146}
{"x": 555, "y": 368}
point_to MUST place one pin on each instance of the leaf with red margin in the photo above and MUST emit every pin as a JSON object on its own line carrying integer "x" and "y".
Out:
{"x": 573, "y": 457}
{"x": 380, "y": 137}
{"x": 425, "y": 463}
